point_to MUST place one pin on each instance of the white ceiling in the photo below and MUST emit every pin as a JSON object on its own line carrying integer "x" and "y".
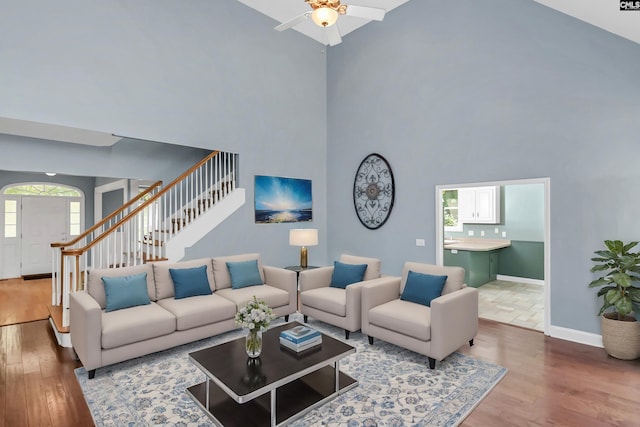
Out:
{"x": 604, "y": 14}
{"x": 283, "y": 10}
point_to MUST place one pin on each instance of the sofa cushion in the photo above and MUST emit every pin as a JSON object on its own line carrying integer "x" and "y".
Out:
{"x": 221, "y": 272}
{"x": 403, "y": 317}
{"x": 190, "y": 282}
{"x": 95, "y": 285}
{"x": 455, "y": 275}
{"x": 135, "y": 324}
{"x": 422, "y": 288}
{"x": 374, "y": 265}
{"x": 346, "y": 274}
{"x": 125, "y": 291}
{"x": 274, "y": 297}
{"x": 199, "y": 310}
{"x": 244, "y": 273}
{"x": 163, "y": 281}
{"x": 328, "y": 299}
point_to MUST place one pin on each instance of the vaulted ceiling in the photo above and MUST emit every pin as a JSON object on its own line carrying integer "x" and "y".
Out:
{"x": 604, "y": 14}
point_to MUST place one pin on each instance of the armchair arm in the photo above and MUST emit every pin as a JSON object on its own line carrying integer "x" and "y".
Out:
{"x": 376, "y": 292}
{"x": 85, "y": 326}
{"x": 379, "y": 291}
{"x": 316, "y": 278}
{"x": 454, "y": 321}
{"x": 284, "y": 279}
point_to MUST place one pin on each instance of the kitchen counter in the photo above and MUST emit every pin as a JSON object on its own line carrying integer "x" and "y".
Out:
{"x": 476, "y": 245}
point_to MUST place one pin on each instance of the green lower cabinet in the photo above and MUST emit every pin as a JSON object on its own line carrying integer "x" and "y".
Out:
{"x": 479, "y": 267}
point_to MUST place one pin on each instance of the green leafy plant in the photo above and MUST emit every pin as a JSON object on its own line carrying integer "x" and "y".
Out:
{"x": 621, "y": 267}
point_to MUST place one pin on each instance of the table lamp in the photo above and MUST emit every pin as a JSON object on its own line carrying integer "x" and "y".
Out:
{"x": 303, "y": 237}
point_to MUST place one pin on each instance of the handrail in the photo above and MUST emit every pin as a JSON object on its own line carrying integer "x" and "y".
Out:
{"x": 140, "y": 230}
{"x": 108, "y": 217}
{"x": 148, "y": 202}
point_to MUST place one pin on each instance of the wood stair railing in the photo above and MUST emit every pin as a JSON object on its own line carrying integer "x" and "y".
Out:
{"x": 139, "y": 231}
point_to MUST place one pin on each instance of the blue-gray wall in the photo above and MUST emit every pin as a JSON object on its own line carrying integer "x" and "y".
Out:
{"x": 201, "y": 73}
{"x": 468, "y": 91}
{"x": 447, "y": 92}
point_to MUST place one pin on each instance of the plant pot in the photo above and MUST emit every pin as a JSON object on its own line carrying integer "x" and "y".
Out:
{"x": 621, "y": 338}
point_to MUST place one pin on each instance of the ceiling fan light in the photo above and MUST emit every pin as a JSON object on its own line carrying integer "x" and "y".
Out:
{"x": 324, "y": 16}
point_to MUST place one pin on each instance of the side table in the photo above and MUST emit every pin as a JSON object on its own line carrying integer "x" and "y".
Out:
{"x": 298, "y": 269}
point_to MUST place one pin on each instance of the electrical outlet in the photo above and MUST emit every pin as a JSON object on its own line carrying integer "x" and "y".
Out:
{"x": 496, "y": 230}
{"x": 470, "y": 232}
{"x": 504, "y": 234}
{"x": 482, "y": 233}
{"x": 420, "y": 242}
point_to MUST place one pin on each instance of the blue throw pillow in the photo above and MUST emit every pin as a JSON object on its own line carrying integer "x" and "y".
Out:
{"x": 125, "y": 291}
{"x": 244, "y": 273}
{"x": 190, "y": 282}
{"x": 423, "y": 288}
{"x": 346, "y": 274}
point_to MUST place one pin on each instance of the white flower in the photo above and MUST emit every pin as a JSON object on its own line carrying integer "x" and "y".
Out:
{"x": 255, "y": 314}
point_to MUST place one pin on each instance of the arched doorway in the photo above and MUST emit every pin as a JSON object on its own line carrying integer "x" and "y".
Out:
{"x": 34, "y": 215}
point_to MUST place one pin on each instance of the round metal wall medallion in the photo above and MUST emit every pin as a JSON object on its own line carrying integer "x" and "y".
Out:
{"x": 373, "y": 191}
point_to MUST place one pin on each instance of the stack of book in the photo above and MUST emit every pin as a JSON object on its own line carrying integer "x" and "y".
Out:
{"x": 300, "y": 338}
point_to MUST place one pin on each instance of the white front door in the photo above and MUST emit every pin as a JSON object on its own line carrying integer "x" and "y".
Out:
{"x": 44, "y": 220}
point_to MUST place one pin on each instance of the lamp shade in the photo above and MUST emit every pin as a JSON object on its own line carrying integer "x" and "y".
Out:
{"x": 324, "y": 16}
{"x": 303, "y": 237}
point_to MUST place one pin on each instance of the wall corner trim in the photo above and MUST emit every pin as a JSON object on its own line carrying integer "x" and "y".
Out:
{"x": 576, "y": 336}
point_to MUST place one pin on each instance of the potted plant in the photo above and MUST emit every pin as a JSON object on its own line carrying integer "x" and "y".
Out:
{"x": 621, "y": 267}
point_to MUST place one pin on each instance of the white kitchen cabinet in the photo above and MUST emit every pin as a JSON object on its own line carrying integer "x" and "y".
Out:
{"x": 479, "y": 205}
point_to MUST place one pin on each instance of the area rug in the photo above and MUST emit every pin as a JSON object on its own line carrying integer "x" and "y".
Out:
{"x": 396, "y": 387}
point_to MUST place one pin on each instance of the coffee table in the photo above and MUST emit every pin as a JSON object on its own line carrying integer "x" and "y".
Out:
{"x": 274, "y": 389}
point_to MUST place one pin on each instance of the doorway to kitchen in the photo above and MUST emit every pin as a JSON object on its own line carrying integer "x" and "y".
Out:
{"x": 499, "y": 232}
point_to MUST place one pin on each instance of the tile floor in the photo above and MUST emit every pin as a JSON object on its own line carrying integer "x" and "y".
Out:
{"x": 514, "y": 303}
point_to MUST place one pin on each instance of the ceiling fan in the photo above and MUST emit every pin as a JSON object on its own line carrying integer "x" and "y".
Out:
{"x": 325, "y": 13}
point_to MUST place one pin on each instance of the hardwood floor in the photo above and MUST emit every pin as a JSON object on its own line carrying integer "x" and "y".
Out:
{"x": 550, "y": 382}
{"x": 24, "y": 300}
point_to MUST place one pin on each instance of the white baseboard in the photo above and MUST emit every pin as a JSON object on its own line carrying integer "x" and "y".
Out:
{"x": 64, "y": 340}
{"x": 520, "y": 280}
{"x": 573, "y": 335}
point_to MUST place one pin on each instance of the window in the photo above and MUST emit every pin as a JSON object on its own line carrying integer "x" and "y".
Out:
{"x": 450, "y": 208}
{"x": 42, "y": 190}
{"x": 74, "y": 218}
{"x": 10, "y": 218}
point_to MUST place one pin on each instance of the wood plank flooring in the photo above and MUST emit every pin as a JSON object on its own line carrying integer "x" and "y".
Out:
{"x": 24, "y": 300}
{"x": 550, "y": 382}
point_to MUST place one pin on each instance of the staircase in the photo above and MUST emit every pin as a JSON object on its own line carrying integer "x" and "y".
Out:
{"x": 157, "y": 224}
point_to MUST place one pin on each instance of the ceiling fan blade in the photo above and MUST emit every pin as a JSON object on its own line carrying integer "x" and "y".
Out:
{"x": 333, "y": 34}
{"x": 293, "y": 22}
{"x": 366, "y": 12}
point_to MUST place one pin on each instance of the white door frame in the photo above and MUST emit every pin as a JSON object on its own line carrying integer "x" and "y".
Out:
{"x": 3, "y": 197}
{"x": 547, "y": 232}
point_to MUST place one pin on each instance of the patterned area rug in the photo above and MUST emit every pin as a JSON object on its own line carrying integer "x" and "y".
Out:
{"x": 396, "y": 387}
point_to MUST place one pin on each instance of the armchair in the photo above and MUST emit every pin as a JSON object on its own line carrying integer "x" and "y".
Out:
{"x": 334, "y": 305}
{"x": 435, "y": 331}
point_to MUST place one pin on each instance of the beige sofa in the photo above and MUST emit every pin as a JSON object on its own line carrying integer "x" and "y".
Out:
{"x": 436, "y": 331}
{"x": 102, "y": 338}
{"x": 339, "y": 307}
